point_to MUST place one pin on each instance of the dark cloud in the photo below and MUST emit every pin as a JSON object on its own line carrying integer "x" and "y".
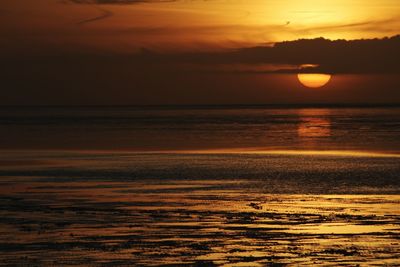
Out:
{"x": 339, "y": 56}
{"x": 332, "y": 56}
{"x": 370, "y": 71}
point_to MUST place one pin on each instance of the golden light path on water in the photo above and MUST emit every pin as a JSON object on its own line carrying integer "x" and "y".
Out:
{"x": 340, "y": 153}
{"x": 245, "y": 208}
{"x": 255, "y": 151}
{"x": 247, "y": 151}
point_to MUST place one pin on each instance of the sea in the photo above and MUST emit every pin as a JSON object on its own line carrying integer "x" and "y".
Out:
{"x": 238, "y": 185}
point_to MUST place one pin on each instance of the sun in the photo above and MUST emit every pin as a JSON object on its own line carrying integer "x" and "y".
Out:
{"x": 313, "y": 80}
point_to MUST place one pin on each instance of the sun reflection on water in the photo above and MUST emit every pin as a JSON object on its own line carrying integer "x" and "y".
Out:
{"x": 314, "y": 123}
{"x": 314, "y": 127}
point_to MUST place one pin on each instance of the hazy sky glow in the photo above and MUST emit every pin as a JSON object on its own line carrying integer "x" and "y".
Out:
{"x": 136, "y": 51}
{"x": 194, "y": 24}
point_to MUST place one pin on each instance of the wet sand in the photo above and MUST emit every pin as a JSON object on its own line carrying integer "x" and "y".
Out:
{"x": 199, "y": 209}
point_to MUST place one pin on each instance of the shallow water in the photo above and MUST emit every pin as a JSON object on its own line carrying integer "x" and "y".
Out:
{"x": 173, "y": 209}
{"x": 205, "y": 186}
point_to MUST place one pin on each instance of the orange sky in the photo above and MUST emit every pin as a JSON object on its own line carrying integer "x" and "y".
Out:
{"x": 196, "y": 51}
{"x": 193, "y": 24}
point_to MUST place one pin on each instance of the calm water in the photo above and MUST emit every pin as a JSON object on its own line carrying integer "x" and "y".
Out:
{"x": 200, "y": 186}
{"x": 191, "y": 128}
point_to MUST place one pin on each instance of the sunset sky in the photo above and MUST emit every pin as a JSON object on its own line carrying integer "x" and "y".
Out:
{"x": 148, "y": 52}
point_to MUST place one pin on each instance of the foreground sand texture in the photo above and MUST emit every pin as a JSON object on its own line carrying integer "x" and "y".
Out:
{"x": 198, "y": 209}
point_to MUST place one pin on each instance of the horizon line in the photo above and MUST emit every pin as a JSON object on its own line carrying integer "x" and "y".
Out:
{"x": 361, "y": 105}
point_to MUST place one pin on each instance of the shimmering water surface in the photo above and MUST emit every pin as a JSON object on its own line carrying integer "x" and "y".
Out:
{"x": 200, "y": 186}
